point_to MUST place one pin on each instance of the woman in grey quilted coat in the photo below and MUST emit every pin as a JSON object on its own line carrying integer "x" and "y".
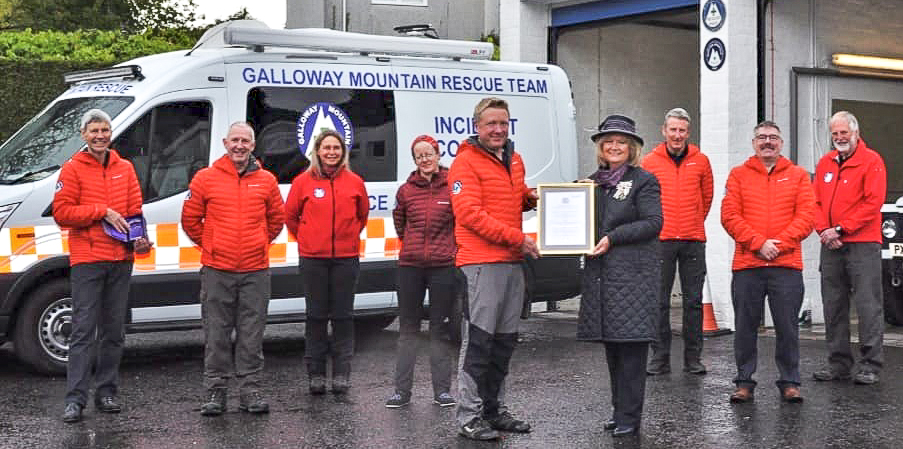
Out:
{"x": 622, "y": 274}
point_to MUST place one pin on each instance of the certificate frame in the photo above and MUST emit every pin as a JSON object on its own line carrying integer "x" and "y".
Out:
{"x": 549, "y": 238}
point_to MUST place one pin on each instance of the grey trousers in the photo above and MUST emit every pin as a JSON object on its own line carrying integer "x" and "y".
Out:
{"x": 234, "y": 301}
{"x": 100, "y": 293}
{"x": 853, "y": 274}
{"x": 495, "y": 295}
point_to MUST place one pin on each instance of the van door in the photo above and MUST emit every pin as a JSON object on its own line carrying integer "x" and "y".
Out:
{"x": 168, "y": 141}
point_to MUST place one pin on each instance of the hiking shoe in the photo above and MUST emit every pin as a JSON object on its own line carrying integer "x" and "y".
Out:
{"x": 398, "y": 400}
{"x": 253, "y": 402}
{"x": 656, "y": 369}
{"x": 216, "y": 402}
{"x": 72, "y": 413}
{"x": 444, "y": 400}
{"x": 478, "y": 429}
{"x": 107, "y": 404}
{"x": 828, "y": 374}
{"x": 317, "y": 384}
{"x": 695, "y": 367}
{"x": 508, "y": 423}
{"x": 866, "y": 378}
{"x": 341, "y": 383}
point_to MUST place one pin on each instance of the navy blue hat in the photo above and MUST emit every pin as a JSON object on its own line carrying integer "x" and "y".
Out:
{"x": 616, "y": 123}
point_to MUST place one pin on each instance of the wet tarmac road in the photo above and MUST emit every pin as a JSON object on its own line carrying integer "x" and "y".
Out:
{"x": 556, "y": 383}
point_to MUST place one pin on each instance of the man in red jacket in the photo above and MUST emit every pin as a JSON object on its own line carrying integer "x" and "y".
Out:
{"x": 233, "y": 211}
{"x": 94, "y": 187}
{"x": 850, "y": 185}
{"x": 488, "y": 199}
{"x": 686, "y": 179}
{"x": 768, "y": 209}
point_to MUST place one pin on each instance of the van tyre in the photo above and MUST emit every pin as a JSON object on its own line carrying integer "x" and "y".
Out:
{"x": 43, "y": 327}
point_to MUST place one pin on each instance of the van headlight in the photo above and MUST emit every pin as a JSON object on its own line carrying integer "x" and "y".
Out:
{"x": 6, "y": 211}
{"x": 889, "y": 229}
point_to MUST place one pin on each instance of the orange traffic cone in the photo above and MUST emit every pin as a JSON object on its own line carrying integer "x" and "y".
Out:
{"x": 709, "y": 325}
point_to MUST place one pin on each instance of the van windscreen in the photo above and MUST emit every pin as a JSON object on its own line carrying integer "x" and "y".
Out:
{"x": 51, "y": 138}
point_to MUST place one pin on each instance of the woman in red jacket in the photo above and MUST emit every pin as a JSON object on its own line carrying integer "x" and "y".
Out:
{"x": 425, "y": 225}
{"x": 326, "y": 210}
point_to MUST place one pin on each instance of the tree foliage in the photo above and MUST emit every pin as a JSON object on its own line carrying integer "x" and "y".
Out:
{"x": 93, "y": 46}
{"x": 132, "y": 16}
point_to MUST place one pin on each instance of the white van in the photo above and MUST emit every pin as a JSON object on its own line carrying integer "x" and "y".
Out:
{"x": 170, "y": 112}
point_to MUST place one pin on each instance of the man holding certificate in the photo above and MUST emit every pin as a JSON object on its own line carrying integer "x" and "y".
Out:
{"x": 97, "y": 188}
{"x": 488, "y": 198}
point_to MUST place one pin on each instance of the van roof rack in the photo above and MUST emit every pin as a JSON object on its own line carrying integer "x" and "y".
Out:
{"x": 420, "y": 30}
{"x": 256, "y": 38}
{"x": 123, "y": 72}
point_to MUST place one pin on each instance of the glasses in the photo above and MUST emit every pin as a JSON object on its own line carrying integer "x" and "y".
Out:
{"x": 767, "y": 137}
{"x": 425, "y": 156}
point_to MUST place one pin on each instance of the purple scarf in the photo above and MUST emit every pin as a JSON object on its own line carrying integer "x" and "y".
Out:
{"x": 609, "y": 178}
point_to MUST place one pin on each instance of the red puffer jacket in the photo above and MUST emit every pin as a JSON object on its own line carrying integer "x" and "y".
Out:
{"x": 424, "y": 221}
{"x": 759, "y": 206}
{"x": 233, "y": 219}
{"x": 851, "y": 195}
{"x": 86, "y": 188}
{"x": 488, "y": 199}
{"x": 686, "y": 192}
{"x": 327, "y": 214}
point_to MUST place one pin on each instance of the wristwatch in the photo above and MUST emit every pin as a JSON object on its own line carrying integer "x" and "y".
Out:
{"x": 838, "y": 229}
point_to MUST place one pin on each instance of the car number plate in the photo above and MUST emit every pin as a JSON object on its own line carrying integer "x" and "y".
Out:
{"x": 896, "y": 249}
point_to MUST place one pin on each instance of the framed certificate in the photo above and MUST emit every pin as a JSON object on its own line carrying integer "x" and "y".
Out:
{"x": 566, "y": 218}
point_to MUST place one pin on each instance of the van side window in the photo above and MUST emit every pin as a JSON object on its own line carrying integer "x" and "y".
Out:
{"x": 274, "y": 113}
{"x": 167, "y": 146}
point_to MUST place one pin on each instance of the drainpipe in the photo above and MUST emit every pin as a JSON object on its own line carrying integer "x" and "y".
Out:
{"x": 344, "y": 16}
{"x": 761, "y": 6}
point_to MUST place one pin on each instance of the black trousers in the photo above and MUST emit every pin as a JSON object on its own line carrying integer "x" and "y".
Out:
{"x": 627, "y": 371}
{"x": 689, "y": 257}
{"x": 100, "y": 293}
{"x": 330, "y": 285}
{"x": 413, "y": 283}
{"x": 784, "y": 289}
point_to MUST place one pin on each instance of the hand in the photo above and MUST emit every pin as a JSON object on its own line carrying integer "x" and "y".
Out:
{"x": 828, "y": 235}
{"x": 529, "y": 247}
{"x": 834, "y": 244}
{"x": 586, "y": 181}
{"x": 769, "y": 249}
{"x": 602, "y": 247}
{"x": 532, "y": 194}
{"x": 114, "y": 219}
{"x": 142, "y": 245}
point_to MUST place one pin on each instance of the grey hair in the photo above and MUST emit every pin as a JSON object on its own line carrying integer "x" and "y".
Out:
{"x": 94, "y": 116}
{"x": 850, "y": 119}
{"x": 678, "y": 113}
{"x": 241, "y": 124}
{"x": 766, "y": 124}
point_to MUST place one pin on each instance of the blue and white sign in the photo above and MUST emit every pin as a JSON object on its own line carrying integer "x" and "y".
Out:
{"x": 714, "y": 54}
{"x": 317, "y": 118}
{"x": 713, "y": 14}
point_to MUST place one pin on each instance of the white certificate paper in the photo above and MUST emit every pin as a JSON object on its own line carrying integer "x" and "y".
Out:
{"x": 565, "y": 218}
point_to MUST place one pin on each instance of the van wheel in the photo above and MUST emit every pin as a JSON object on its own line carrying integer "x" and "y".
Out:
{"x": 43, "y": 327}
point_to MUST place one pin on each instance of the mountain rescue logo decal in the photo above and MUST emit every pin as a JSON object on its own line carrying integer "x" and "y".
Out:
{"x": 319, "y": 193}
{"x": 317, "y": 118}
{"x": 456, "y": 189}
{"x": 829, "y": 176}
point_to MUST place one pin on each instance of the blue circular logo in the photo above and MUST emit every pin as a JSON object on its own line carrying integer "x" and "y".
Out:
{"x": 317, "y": 118}
{"x": 713, "y": 14}
{"x": 714, "y": 54}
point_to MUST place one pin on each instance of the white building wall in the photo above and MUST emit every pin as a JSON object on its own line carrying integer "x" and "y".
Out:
{"x": 524, "y": 32}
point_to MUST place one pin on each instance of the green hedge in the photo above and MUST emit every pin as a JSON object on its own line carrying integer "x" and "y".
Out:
{"x": 33, "y": 64}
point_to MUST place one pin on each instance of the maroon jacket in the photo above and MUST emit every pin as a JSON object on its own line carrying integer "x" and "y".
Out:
{"x": 424, "y": 221}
